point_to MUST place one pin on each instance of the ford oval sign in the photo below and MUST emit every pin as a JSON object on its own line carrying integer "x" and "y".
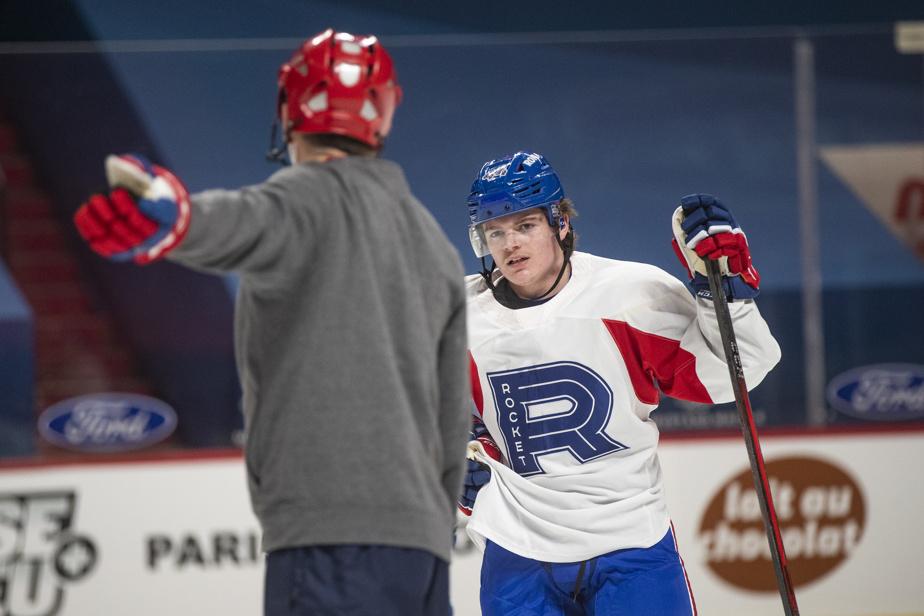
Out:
{"x": 882, "y": 392}
{"x": 107, "y": 422}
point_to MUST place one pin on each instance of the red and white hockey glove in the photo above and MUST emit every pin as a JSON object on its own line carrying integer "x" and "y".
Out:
{"x": 705, "y": 229}
{"x": 477, "y": 474}
{"x": 144, "y": 217}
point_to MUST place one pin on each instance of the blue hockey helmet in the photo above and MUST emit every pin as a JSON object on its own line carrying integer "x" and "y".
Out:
{"x": 511, "y": 184}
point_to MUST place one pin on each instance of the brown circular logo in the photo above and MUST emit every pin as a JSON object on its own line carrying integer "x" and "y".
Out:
{"x": 821, "y": 513}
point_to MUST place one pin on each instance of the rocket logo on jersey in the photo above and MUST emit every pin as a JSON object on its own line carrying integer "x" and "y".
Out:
{"x": 562, "y": 406}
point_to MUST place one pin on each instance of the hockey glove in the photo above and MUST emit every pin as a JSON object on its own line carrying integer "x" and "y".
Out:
{"x": 144, "y": 217}
{"x": 705, "y": 229}
{"x": 477, "y": 474}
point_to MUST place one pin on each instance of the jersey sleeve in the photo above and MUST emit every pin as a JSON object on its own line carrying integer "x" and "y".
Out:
{"x": 671, "y": 343}
{"x": 256, "y": 230}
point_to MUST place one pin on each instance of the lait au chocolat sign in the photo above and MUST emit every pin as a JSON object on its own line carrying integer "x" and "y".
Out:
{"x": 821, "y": 512}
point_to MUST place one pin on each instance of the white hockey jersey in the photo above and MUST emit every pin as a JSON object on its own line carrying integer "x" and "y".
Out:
{"x": 566, "y": 389}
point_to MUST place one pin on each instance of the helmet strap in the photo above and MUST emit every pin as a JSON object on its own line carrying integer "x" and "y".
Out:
{"x": 279, "y": 142}
{"x": 487, "y": 274}
{"x": 567, "y": 247}
{"x": 277, "y": 150}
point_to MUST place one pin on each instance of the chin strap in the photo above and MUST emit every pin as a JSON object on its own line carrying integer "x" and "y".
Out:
{"x": 277, "y": 149}
{"x": 567, "y": 248}
{"x": 487, "y": 275}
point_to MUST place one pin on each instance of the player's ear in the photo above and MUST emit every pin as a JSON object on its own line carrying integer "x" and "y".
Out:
{"x": 564, "y": 226}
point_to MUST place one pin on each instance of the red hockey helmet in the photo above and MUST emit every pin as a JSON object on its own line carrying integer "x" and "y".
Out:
{"x": 342, "y": 84}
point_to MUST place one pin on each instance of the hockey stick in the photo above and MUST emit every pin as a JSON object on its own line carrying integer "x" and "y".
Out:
{"x": 749, "y": 429}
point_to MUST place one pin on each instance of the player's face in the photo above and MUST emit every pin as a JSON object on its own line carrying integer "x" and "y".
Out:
{"x": 525, "y": 249}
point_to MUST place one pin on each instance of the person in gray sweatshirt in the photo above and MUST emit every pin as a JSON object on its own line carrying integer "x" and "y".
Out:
{"x": 351, "y": 348}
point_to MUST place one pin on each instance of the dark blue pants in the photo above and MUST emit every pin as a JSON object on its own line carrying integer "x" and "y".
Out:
{"x": 355, "y": 580}
{"x": 621, "y": 583}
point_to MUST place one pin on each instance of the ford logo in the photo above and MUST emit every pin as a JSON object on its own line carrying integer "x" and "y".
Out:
{"x": 880, "y": 392}
{"x": 107, "y": 422}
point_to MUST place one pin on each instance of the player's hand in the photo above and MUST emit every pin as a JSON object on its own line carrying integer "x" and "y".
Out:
{"x": 477, "y": 474}
{"x": 144, "y": 217}
{"x": 705, "y": 229}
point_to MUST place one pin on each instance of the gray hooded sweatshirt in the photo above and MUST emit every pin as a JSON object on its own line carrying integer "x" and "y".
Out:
{"x": 351, "y": 350}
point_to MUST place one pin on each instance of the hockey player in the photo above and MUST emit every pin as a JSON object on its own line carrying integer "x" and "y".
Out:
{"x": 569, "y": 354}
{"x": 339, "y": 357}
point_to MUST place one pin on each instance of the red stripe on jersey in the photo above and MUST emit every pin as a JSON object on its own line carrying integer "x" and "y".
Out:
{"x": 477, "y": 396}
{"x": 651, "y": 358}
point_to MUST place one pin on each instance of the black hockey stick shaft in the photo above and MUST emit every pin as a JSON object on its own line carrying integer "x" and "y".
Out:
{"x": 749, "y": 430}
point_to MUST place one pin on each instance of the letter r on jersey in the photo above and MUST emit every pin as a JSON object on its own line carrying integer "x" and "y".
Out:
{"x": 562, "y": 406}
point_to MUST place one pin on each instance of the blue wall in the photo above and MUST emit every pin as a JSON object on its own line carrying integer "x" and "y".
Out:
{"x": 631, "y": 126}
{"x": 178, "y": 321}
{"x": 17, "y": 371}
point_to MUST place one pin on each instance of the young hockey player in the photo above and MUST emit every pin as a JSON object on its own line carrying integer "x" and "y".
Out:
{"x": 339, "y": 357}
{"x": 569, "y": 354}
